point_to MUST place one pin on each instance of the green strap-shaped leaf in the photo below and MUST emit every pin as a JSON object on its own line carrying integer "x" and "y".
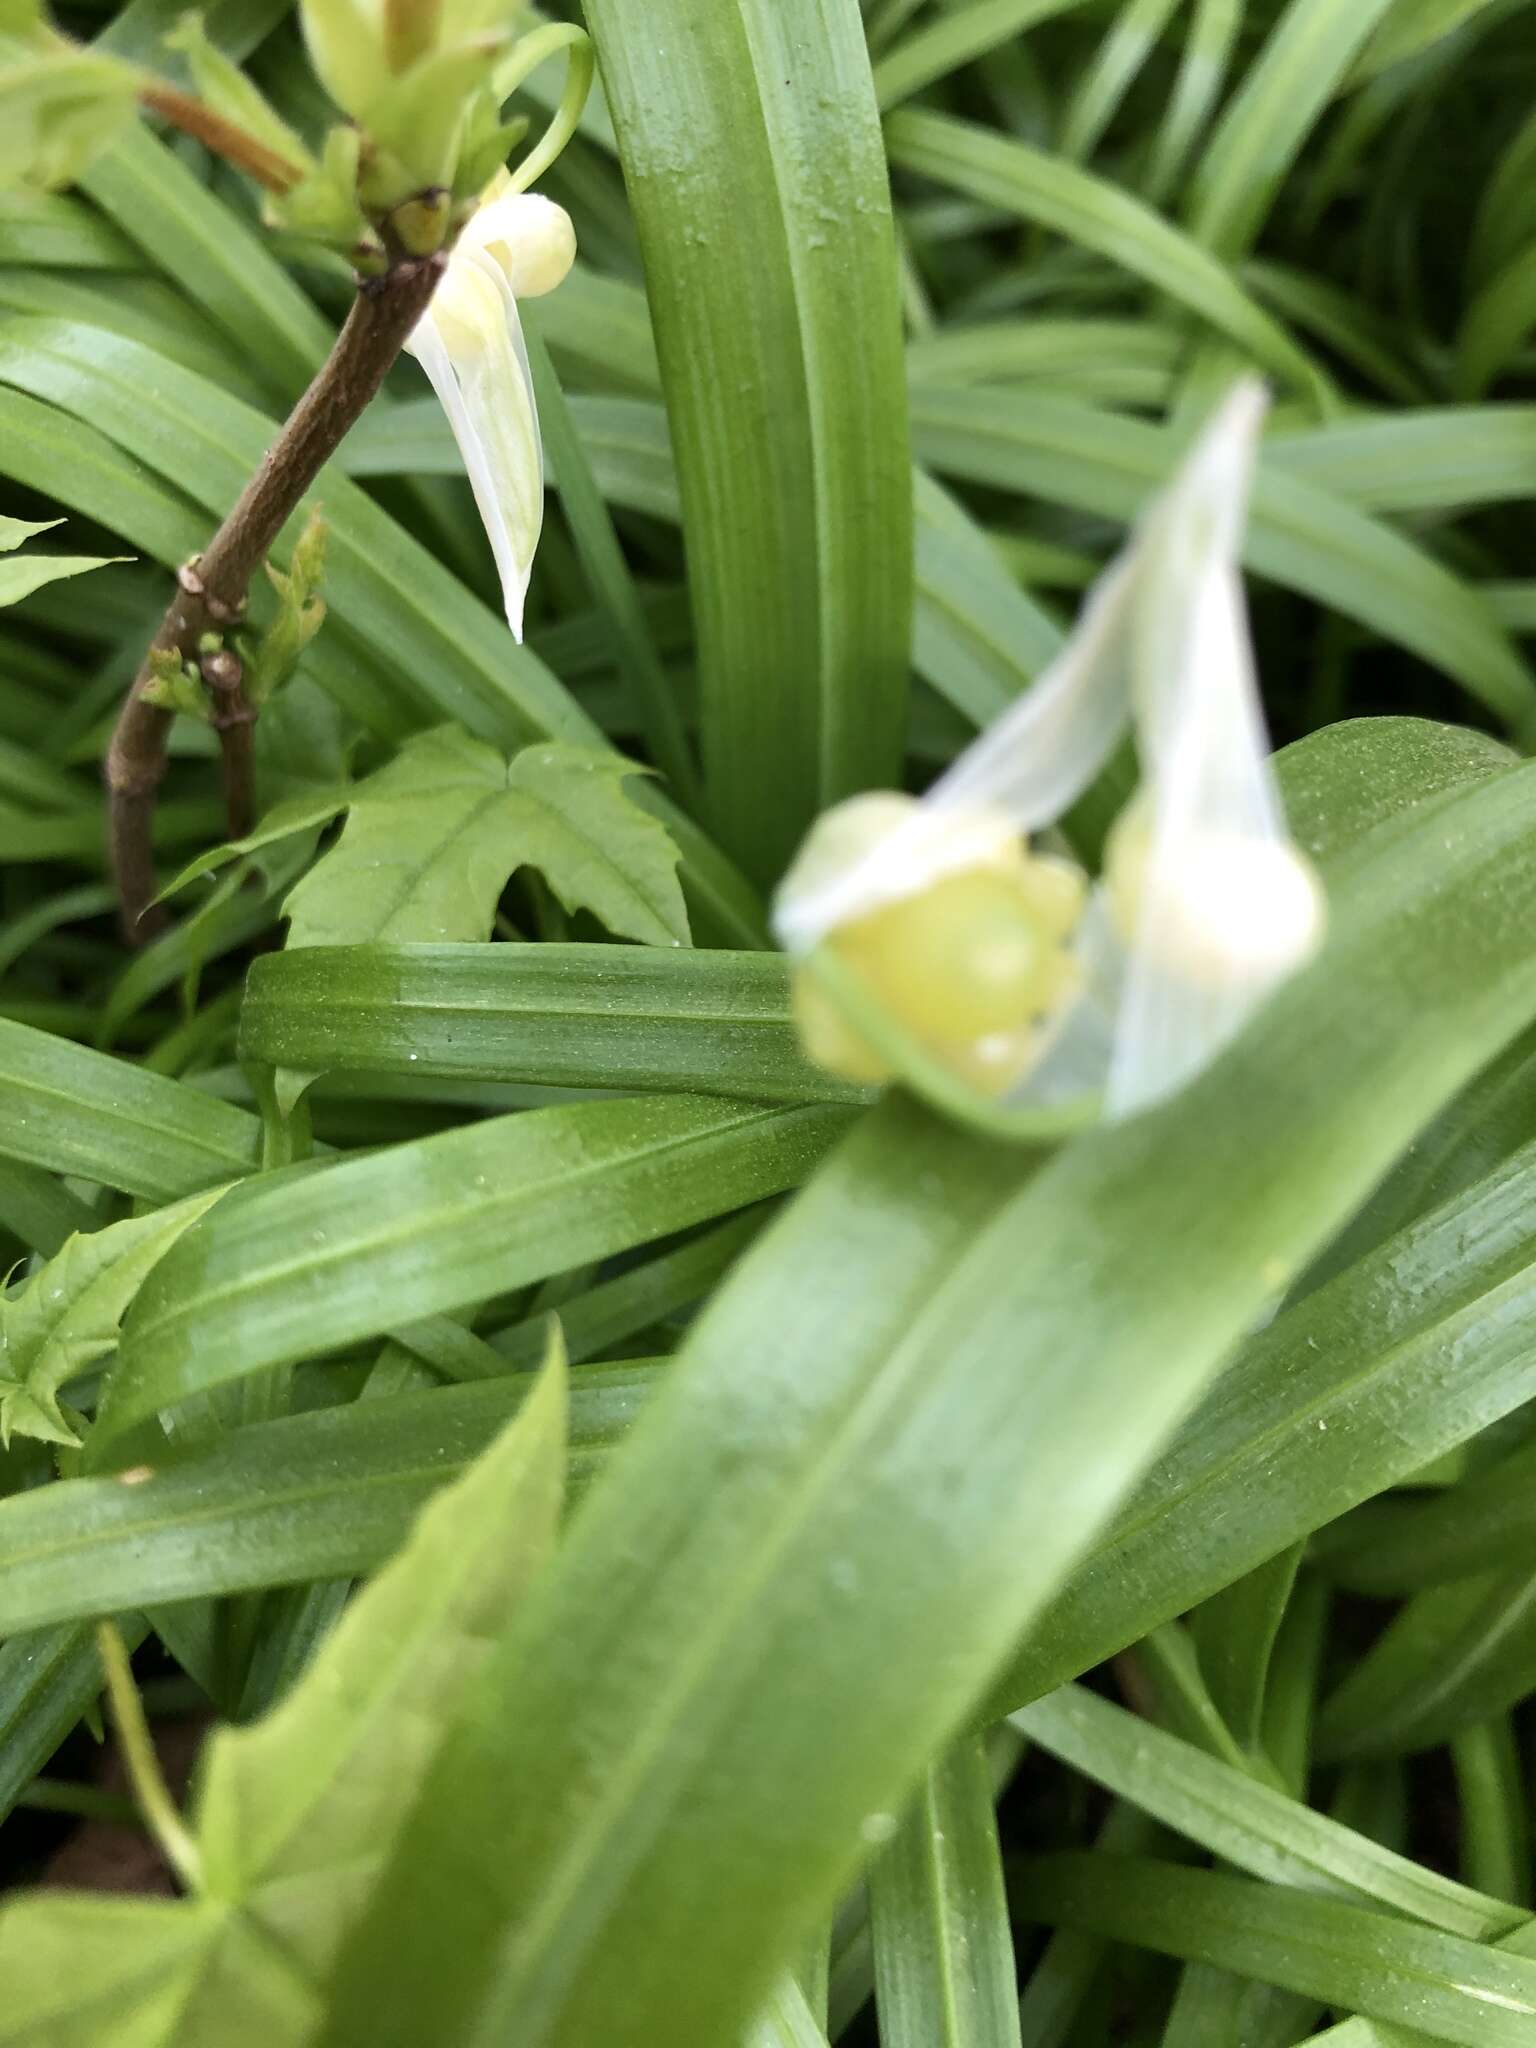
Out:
{"x": 48, "y": 1679}
{"x": 1344, "y": 1955}
{"x": 901, "y": 1420}
{"x": 976, "y": 636}
{"x": 752, "y": 153}
{"x": 1412, "y": 26}
{"x": 1343, "y": 781}
{"x": 147, "y": 310}
{"x": 41, "y": 1209}
{"x": 63, "y": 233}
{"x": 1488, "y": 1521}
{"x": 959, "y": 35}
{"x": 1100, "y": 216}
{"x": 1371, "y": 2033}
{"x": 431, "y": 839}
{"x": 1446, "y": 460}
{"x": 1250, "y": 1824}
{"x": 1490, "y": 1789}
{"x": 331, "y": 1492}
{"x": 602, "y": 1318}
{"x": 576, "y": 1016}
{"x": 1267, "y": 121}
{"x": 1125, "y": 48}
{"x": 80, "y": 1112}
{"x": 944, "y": 1968}
{"x": 1235, "y": 1632}
{"x": 298, "y": 1267}
{"x": 1452, "y": 1656}
{"x": 786, "y": 2021}
{"x": 1360, "y": 1385}
{"x": 610, "y": 579}
{"x": 205, "y": 248}
{"x": 1303, "y": 537}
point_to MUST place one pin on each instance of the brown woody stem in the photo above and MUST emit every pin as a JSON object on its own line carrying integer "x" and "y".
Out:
{"x": 233, "y": 720}
{"x": 211, "y": 591}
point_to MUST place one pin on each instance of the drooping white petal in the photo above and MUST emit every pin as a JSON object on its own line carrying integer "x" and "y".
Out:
{"x": 1038, "y": 758}
{"x": 1215, "y": 903}
{"x": 1019, "y": 776}
{"x": 470, "y": 343}
{"x": 1206, "y": 904}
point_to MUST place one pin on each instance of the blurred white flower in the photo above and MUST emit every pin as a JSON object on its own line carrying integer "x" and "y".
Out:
{"x": 518, "y": 245}
{"x": 1009, "y": 968}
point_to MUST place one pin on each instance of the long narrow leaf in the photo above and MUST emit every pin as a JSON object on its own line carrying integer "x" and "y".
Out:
{"x": 932, "y": 1359}
{"x": 752, "y": 150}
{"x": 580, "y": 1016}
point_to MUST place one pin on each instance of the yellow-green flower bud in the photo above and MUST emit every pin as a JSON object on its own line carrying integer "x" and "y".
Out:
{"x": 987, "y": 955}
{"x": 530, "y": 238}
{"x": 974, "y": 963}
{"x": 420, "y": 226}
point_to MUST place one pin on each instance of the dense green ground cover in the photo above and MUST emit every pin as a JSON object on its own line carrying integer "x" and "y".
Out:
{"x": 967, "y": 1593}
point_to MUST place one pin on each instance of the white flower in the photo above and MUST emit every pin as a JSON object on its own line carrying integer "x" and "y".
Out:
{"x": 518, "y": 245}
{"x": 978, "y": 946}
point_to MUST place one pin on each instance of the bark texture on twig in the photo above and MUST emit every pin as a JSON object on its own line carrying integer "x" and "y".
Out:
{"x": 210, "y": 594}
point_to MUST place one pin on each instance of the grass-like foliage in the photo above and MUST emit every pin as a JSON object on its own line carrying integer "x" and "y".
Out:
{"x": 671, "y": 1504}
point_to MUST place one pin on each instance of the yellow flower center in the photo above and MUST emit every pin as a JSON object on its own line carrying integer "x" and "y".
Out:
{"x": 975, "y": 967}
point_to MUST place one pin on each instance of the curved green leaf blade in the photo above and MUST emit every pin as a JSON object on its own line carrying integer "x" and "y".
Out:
{"x": 1099, "y": 216}
{"x": 49, "y": 1677}
{"x": 751, "y": 149}
{"x": 1488, "y": 1521}
{"x": 312, "y": 1496}
{"x": 1345, "y": 1955}
{"x": 1452, "y": 1656}
{"x": 80, "y": 1112}
{"x": 944, "y": 1968}
{"x": 1254, "y": 144}
{"x": 568, "y": 1016}
{"x": 1356, "y": 1388}
{"x": 960, "y": 34}
{"x": 1299, "y": 535}
{"x": 296, "y": 1267}
{"x": 1248, "y": 1823}
{"x": 957, "y": 1325}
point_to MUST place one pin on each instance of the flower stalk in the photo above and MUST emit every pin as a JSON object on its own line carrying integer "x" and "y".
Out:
{"x": 151, "y": 1793}
{"x": 211, "y": 591}
{"x": 398, "y": 185}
